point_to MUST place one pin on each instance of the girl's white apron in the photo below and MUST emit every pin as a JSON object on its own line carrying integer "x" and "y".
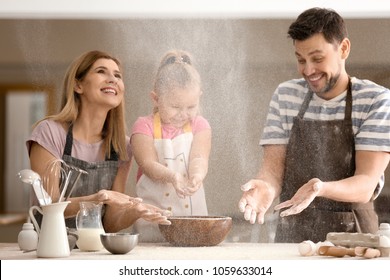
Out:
{"x": 173, "y": 153}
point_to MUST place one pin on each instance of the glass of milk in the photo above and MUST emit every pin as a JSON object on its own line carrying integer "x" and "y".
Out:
{"x": 89, "y": 226}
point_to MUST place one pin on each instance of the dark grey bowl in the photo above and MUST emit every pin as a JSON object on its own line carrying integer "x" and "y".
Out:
{"x": 119, "y": 243}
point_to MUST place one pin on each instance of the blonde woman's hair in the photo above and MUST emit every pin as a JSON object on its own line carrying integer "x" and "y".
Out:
{"x": 176, "y": 70}
{"x": 114, "y": 129}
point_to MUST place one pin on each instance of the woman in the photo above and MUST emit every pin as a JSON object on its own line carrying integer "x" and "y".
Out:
{"x": 90, "y": 133}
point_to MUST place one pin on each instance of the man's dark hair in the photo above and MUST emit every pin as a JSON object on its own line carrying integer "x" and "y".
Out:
{"x": 318, "y": 20}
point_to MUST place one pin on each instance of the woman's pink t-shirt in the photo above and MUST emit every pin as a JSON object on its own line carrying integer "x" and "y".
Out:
{"x": 51, "y": 135}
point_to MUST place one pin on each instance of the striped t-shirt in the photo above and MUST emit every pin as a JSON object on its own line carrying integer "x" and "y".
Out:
{"x": 370, "y": 113}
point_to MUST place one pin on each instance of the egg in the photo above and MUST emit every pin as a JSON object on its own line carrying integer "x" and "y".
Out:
{"x": 307, "y": 248}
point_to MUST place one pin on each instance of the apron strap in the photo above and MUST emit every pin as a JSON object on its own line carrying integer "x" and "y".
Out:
{"x": 69, "y": 144}
{"x": 348, "y": 102}
{"x": 305, "y": 104}
{"x": 157, "y": 128}
{"x": 69, "y": 141}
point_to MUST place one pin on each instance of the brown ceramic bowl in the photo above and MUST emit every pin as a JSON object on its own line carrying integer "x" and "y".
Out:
{"x": 195, "y": 231}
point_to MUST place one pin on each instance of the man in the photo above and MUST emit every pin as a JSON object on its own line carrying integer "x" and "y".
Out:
{"x": 326, "y": 142}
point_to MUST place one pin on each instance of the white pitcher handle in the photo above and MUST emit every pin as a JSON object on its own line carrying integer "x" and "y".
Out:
{"x": 32, "y": 217}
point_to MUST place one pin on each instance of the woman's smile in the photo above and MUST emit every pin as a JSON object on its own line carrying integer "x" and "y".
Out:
{"x": 109, "y": 91}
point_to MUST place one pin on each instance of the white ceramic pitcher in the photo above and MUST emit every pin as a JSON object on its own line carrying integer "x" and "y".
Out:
{"x": 53, "y": 238}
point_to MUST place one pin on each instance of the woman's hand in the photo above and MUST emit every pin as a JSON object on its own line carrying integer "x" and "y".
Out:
{"x": 118, "y": 199}
{"x": 134, "y": 207}
{"x": 122, "y": 211}
{"x": 152, "y": 213}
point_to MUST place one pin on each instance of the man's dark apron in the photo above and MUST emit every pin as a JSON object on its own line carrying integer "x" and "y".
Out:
{"x": 324, "y": 150}
{"x": 101, "y": 175}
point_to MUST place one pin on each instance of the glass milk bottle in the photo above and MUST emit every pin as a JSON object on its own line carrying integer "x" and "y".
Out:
{"x": 89, "y": 226}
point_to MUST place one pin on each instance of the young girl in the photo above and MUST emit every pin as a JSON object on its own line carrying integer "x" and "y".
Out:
{"x": 172, "y": 145}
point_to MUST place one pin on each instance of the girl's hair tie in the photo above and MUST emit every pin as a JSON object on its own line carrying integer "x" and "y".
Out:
{"x": 174, "y": 59}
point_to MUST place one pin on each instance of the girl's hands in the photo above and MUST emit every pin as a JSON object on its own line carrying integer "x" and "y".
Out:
{"x": 181, "y": 185}
{"x": 185, "y": 187}
{"x": 196, "y": 182}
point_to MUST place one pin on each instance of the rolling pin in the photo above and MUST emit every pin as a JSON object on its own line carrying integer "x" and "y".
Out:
{"x": 336, "y": 251}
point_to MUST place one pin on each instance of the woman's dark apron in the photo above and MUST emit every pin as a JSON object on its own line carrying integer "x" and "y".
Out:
{"x": 101, "y": 175}
{"x": 324, "y": 150}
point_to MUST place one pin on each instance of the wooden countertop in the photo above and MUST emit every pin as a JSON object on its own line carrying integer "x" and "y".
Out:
{"x": 163, "y": 251}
